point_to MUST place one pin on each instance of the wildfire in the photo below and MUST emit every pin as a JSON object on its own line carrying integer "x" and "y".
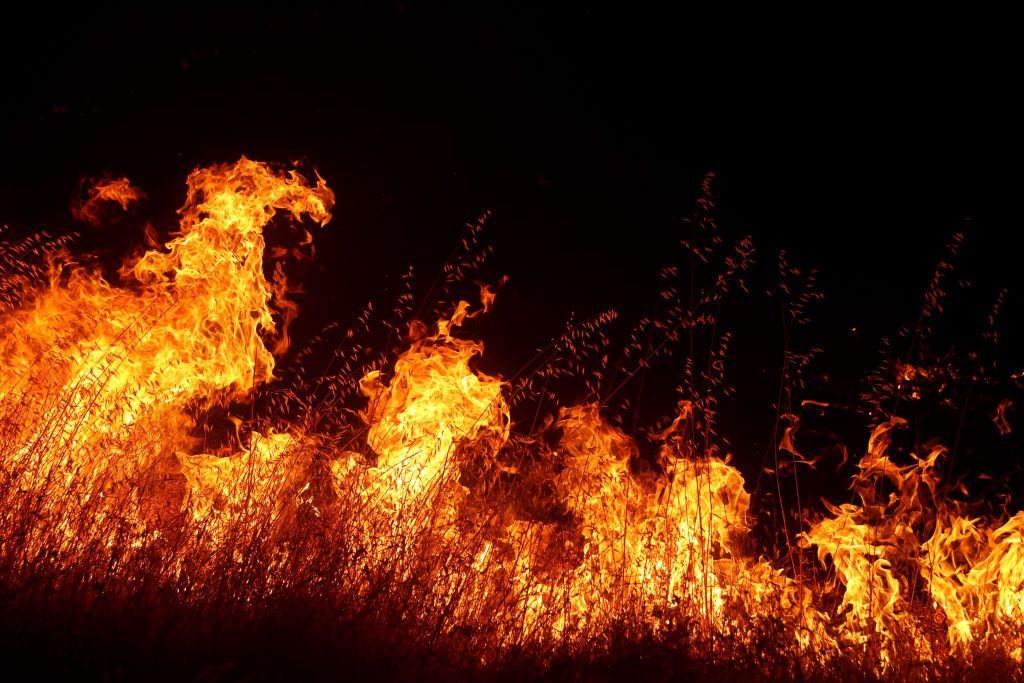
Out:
{"x": 87, "y": 362}
{"x": 536, "y": 537}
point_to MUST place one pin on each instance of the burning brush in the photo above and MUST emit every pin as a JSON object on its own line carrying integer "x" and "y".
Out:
{"x": 416, "y": 504}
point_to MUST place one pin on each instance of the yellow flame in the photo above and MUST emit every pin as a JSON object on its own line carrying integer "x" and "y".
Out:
{"x": 87, "y": 358}
{"x": 433, "y": 403}
{"x": 973, "y": 573}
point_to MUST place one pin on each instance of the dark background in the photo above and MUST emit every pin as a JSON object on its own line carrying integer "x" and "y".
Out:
{"x": 859, "y": 142}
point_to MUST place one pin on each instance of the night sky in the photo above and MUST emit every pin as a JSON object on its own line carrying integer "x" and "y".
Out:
{"x": 860, "y": 144}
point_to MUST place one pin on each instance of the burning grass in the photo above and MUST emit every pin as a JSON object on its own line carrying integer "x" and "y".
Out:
{"x": 390, "y": 517}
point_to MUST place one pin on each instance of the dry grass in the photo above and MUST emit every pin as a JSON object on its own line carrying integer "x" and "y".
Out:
{"x": 120, "y": 570}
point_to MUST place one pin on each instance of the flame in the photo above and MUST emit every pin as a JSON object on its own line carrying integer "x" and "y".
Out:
{"x": 271, "y": 468}
{"x": 976, "y": 576}
{"x": 671, "y": 542}
{"x": 973, "y": 573}
{"x": 1000, "y": 418}
{"x": 100, "y": 191}
{"x": 87, "y": 359}
{"x": 864, "y": 541}
{"x": 596, "y": 487}
{"x": 433, "y": 404}
{"x": 552, "y": 536}
{"x": 665, "y": 539}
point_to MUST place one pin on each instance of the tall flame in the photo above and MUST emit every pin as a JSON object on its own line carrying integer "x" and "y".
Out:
{"x": 87, "y": 358}
{"x": 434, "y": 403}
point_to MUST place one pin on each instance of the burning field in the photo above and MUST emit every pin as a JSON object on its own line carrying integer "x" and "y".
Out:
{"x": 185, "y": 493}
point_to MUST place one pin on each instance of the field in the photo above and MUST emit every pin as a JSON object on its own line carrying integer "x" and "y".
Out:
{"x": 184, "y": 497}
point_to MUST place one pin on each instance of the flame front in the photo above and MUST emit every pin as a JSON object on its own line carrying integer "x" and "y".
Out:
{"x": 429, "y": 498}
{"x": 973, "y": 573}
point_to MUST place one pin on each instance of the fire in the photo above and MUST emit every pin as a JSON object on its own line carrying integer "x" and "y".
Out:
{"x": 270, "y": 468}
{"x": 973, "y": 573}
{"x": 85, "y": 360}
{"x": 430, "y": 494}
{"x": 97, "y": 192}
{"x": 976, "y": 575}
{"x": 862, "y": 542}
{"x": 433, "y": 406}
{"x": 664, "y": 539}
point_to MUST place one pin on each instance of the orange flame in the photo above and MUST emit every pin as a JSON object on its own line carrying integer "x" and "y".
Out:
{"x": 101, "y": 380}
{"x": 86, "y": 358}
{"x": 972, "y": 573}
{"x": 100, "y": 191}
{"x": 433, "y": 404}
